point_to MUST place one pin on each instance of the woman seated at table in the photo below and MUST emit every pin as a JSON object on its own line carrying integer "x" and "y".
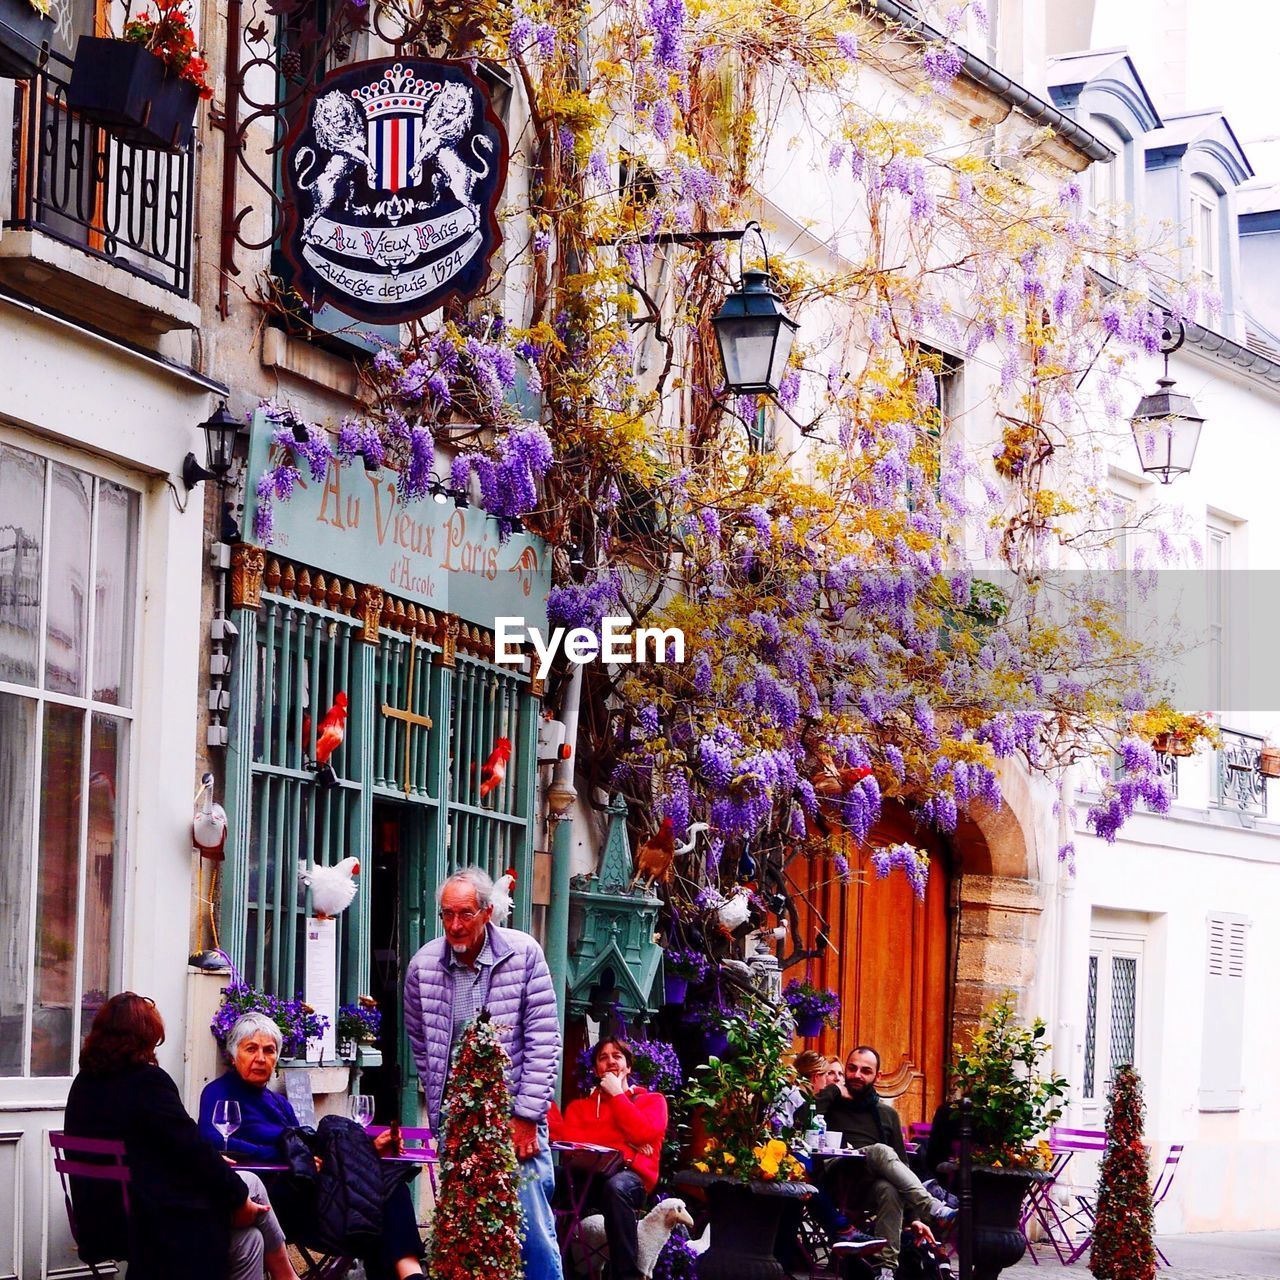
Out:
{"x": 632, "y": 1121}
{"x": 253, "y": 1045}
{"x": 190, "y": 1214}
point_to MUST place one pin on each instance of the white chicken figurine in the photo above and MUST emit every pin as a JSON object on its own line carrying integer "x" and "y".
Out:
{"x": 590, "y": 1250}
{"x": 209, "y": 827}
{"x": 502, "y": 896}
{"x": 332, "y": 888}
{"x": 736, "y": 910}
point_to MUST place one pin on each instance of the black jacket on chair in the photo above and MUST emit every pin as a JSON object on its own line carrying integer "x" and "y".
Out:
{"x": 181, "y": 1191}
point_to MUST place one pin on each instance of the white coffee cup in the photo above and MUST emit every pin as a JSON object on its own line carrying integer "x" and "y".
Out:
{"x": 832, "y": 1141}
{"x": 813, "y": 1139}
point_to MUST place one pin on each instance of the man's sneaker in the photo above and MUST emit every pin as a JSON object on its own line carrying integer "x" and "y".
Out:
{"x": 857, "y": 1244}
{"x": 886, "y": 1273}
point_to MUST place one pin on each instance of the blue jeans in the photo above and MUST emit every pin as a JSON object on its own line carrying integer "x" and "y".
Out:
{"x": 538, "y": 1248}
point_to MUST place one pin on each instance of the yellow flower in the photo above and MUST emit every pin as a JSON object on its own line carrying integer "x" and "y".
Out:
{"x": 701, "y": 1166}
{"x": 729, "y": 1158}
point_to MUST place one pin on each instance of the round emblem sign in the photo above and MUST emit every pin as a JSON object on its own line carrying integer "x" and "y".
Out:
{"x": 392, "y": 179}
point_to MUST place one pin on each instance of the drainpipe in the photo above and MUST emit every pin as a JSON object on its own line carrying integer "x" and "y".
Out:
{"x": 1063, "y": 1038}
{"x": 561, "y": 798}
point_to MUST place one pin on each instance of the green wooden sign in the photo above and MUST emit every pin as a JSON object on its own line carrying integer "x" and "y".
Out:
{"x": 447, "y": 558}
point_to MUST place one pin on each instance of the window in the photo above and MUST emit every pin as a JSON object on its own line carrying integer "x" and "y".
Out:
{"x": 1109, "y": 182}
{"x": 1113, "y": 997}
{"x": 68, "y": 593}
{"x": 1204, "y": 234}
{"x": 1222, "y": 1046}
{"x": 938, "y": 419}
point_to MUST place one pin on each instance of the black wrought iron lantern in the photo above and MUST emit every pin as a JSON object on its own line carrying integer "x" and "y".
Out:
{"x": 220, "y": 433}
{"x": 753, "y": 331}
{"x": 1166, "y": 424}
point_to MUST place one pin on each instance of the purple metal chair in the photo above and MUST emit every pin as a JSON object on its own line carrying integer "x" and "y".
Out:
{"x": 1161, "y": 1188}
{"x": 1058, "y": 1223}
{"x": 96, "y": 1160}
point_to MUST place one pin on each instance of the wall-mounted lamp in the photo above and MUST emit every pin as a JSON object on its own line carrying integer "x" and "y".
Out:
{"x": 1166, "y": 424}
{"x": 220, "y": 433}
{"x": 753, "y": 330}
{"x": 442, "y": 493}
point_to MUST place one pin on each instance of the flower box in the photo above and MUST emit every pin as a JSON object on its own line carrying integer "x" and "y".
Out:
{"x": 132, "y": 94}
{"x": 25, "y": 34}
{"x": 1269, "y": 762}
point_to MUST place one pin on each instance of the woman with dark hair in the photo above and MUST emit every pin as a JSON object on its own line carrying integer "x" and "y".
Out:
{"x": 191, "y": 1215}
{"x": 633, "y": 1122}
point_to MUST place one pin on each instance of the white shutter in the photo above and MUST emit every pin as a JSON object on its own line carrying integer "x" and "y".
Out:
{"x": 1222, "y": 1047}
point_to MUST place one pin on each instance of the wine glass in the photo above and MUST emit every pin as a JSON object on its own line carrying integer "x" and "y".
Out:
{"x": 226, "y": 1119}
{"x": 360, "y": 1108}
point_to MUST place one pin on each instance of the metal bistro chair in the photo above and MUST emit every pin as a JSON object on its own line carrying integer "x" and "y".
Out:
{"x": 1060, "y": 1223}
{"x": 420, "y": 1144}
{"x": 1035, "y": 1206}
{"x": 97, "y": 1160}
{"x": 1163, "y": 1183}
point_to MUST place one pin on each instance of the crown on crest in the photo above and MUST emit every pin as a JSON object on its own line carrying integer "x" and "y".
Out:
{"x": 398, "y": 90}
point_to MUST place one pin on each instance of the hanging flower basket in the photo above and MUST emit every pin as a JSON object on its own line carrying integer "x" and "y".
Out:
{"x": 25, "y": 33}
{"x": 132, "y": 94}
{"x": 1269, "y": 762}
{"x": 809, "y": 1024}
{"x": 675, "y": 988}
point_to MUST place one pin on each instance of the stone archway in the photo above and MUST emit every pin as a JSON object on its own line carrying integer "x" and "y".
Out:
{"x": 997, "y": 899}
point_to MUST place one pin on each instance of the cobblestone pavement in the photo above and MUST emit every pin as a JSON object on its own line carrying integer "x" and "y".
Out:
{"x": 1248, "y": 1255}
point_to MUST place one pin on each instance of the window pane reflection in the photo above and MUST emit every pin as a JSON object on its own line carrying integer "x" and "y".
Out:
{"x": 108, "y": 754}
{"x": 114, "y": 592}
{"x": 21, "y": 539}
{"x": 57, "y": 892}
{"x": 68, "y": 580}
{"x": 17, "y": 769}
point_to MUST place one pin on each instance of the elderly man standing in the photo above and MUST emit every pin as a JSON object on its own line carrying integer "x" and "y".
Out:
{"x": 477, "y": 965}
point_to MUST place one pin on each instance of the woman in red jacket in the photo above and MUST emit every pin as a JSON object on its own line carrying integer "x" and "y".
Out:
{"x": 632, "y": 1121}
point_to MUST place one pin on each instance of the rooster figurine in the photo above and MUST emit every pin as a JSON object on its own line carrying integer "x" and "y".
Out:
{"x": 831, "y": 785}
{"x": 502, "y": 896}
{"x": 329, "y": 736}
{"x": 332, "y": 888}
{"x": 656, "y": 855}
{"x": 494, "y": 770}
{"x": 209, "y": 827}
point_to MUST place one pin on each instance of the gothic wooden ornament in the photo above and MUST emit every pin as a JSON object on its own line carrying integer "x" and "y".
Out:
{"x": 392, "y": 181}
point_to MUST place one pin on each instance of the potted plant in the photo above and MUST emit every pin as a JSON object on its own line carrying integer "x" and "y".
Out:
{"x": 1013, "y": 1106}
{"x": 1269, "y": 761}
{"x": 1175, "y": 733}
{"x": 144, "y": 87}
{"x": 812, "y": 1007}
{"x": 358, "y": 1024}
{"x": 297, "y": 1020}
{"x": 680, "y": 967}
{"x": 738, "y": 1160}
{"x": 25, "y": 32}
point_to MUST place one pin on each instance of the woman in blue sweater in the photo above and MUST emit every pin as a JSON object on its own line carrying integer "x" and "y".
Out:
{"x": 253, "y": 1045}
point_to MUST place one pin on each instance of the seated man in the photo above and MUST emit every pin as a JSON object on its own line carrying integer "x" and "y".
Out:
{"x": 632, "y": 1121}
{"x": 871, "y": 1126}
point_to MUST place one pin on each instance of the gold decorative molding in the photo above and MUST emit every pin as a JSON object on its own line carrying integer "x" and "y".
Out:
{"x": 451, "y": 625}
{"x": 247, "y": 564}
{"x": 369, "y": 601}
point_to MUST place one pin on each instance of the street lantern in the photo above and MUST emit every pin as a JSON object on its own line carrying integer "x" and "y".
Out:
{"x": 1166, "y": 424}
{"x": 753, "y": 330}
{"x": 220, "y": 432}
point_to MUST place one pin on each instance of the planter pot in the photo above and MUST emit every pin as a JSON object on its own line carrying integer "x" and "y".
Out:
{"x": 1172, "y": 744}
{"x": 130, "y": 93}
{"x": 1269, "y": 762}
{"x": 715, "y": 1044}
{"x": 744, "y": 1225}
{"x": 809, "y": 1024}
{"x": 24, "y": 39}
{"x": 675, "y": 989}
{"x": 998, "y": 1241}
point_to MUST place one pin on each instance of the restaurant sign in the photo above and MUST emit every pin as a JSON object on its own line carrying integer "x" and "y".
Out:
{"x": 392, "y": 178}
{"x": 447, "y": 558}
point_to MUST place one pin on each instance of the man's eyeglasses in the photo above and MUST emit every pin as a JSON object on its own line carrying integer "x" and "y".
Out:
{"x": 462, "y": 917}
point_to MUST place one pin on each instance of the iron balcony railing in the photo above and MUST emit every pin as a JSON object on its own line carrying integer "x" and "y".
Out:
{"x": 78, "y": 184}
{"x": 1240, "y": 784}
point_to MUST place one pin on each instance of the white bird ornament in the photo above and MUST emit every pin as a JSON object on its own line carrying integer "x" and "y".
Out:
{"x": 209, "y": 826}
{"x": 332, "y": 888}
{"x": 501, "y": 900}
{"x": 590, "y": 1248}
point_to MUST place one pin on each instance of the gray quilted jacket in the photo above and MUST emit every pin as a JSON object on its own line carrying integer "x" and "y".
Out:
{"x": 522, "y": 1003}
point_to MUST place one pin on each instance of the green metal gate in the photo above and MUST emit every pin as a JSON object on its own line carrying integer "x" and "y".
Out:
{"x": 425, "y": 707}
